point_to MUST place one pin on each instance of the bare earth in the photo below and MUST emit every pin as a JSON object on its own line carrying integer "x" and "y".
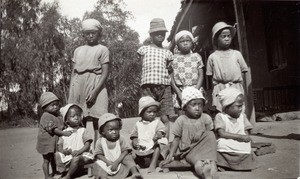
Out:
{"x": 19, "y": 159}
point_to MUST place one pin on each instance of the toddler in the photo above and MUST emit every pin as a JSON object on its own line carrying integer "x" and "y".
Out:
{"x": 73, "y": 150}
{"x": 49, "y": 129}
{"x": 225, "y": 65}
{"x": 194, "y": 141}
{"x": 113, "y": 151}
{"x": 232, "y": 129}
{"x": 148, "y": 136}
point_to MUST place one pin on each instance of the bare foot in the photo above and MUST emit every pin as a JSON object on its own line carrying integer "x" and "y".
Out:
{"x": 151, "y": 169}
{"x": 137, "y": 176}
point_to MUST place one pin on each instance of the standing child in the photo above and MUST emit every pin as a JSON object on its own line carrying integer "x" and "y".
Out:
{"x": 225, "y": 65}
{"x": 232, "y": 129}
{"x": 49, "y": 129}
{"x": 148, "y": 135}
{"x": 90, "y": 71}
{"x": 113, "y": 151}
{"x": 155, "y": 77}
{"x": 73, "y": 150}
{"x": 194, "y": 141}
{"x": 187, "y": 67}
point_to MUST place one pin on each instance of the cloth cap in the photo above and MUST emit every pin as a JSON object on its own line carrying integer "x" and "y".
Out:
{"x": 190, "y": 93}
{"x": 145, "y": 102}
{"x": 47, "y": 98}
{"x": 91, "y": 24}
{"x": 228, "y": 96}
{"x": 182, "y": 33}
{"x": 157, "y": 24}
{"x": 105, "y": 118}
{"x": 64, "y": 110}
{"x": 220, "y": 26}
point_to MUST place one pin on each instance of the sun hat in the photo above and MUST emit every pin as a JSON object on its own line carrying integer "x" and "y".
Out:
{"x": 145, "y": 102}
{"x": 46, "y": 98}
{"x": 91, "y": 24}
{"x": 220, "y": 26}
{"x": 189, "y": 93}
{"x": 182, "y": 33}
{"x": 64, "y": 110}
{"x": 157, "y": 24}
{"x": 227, "y": 96}
{"x": 105, "y": 118}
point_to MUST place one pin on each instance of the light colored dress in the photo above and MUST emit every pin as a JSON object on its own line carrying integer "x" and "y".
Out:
{"x": 86, "y": 75}
{"x": 226, "y": 68}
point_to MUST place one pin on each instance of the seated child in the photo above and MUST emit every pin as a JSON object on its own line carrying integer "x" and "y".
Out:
{"x": 148, "y": 135}
{"x": 194, "y": 141}
{"x": 112, "y": 151}
{"x": 231, "y": 126}
{"x": 73, "y": 150}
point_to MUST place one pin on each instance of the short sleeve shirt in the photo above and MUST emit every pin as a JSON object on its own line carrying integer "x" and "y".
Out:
{"x": 186, "y": 68}
{"x": 154, "y": 65}
{"x": 123, "y": 144}
{"x": 221, "y": 124}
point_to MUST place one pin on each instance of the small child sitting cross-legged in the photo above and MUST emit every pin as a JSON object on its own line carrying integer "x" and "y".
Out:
{"x": 73, "y": 150}
{"x": 113, "y": 151}
{"x": 148, "y": 135}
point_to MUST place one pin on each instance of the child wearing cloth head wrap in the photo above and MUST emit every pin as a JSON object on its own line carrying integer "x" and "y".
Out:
{"x": 187, "y": 67}
{"x": 225, "y": 66}
{"x": 194, "y": 140}
{"x": 90, "y": 71}
{"x": 50, "y": 128}
{"x": 73, "y": 150}
{"x": 148, "y": 135}
{"x": 232, "y": 129}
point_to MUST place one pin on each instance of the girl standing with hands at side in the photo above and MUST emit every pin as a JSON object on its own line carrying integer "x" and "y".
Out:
{"x": 90, "y": 71}
{"x": 187, "y": 67}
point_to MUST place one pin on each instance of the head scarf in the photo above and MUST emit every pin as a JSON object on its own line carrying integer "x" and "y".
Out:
{"x": 182, "y": 33}
{"x": 91, "y": 24}
{"x": 46, "y": 98}
{"x": 146, "y": 102}
{"x": 228, "y": 96}
{"x": 190, "y": 93}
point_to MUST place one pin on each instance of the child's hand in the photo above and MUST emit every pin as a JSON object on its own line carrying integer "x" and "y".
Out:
{"x": 109, "y": 163}
{"x": 168, "y": 160}
{"x": 135, "y": 144}
{"x": 114, "y": 166}
{"x": 75, "y": 153}
{"x": 67, "y": 151}
{"x": 67, "y": 133}
{"x": 244, "y": 138}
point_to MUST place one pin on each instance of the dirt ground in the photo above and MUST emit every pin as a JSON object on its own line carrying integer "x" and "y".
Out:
{"x": 19, "y": 159}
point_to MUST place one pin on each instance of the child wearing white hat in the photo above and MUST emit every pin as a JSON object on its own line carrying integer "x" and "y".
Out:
{"x": 225, "y": 66}
{"x": 148, "y": 135}
{"x": 194, "y": 140}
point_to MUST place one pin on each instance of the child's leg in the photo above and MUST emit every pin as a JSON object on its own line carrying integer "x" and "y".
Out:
{"x": 205, "y": 169}
{"x": 98, "y": 172}
{"x": 53, "y": 165}
{"x": 47, "y": 159}
{"x": 154, "y": 160}
{"x": 76, "y": 162}
{"x": 135, "y": 173}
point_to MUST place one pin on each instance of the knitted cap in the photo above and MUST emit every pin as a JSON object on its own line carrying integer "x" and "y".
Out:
{"x": 91, "y": 24}
{"x": 46, "y": 98}
{"x": 190, "y": 93}
{"x": 228, "y": 96}
{"x": 182, "y": 33}
{"x": 64, "y": 110}
{"x": 105, "y": 118}
{"x": 220, "y": 26}
{"x": 157, "y": 24}
{"x": 145, "y": 102}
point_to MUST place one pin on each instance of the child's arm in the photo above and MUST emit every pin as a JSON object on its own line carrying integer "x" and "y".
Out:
{"x": 241, "y": 138}
{"x": 103, "y": 158}
{"x": 158, "y": 135}
{"x": 173, "y": 149}
{"x": 61, "y": 149}
{"x": 200, "y": 78}
{"x": 116, "y": 163}
{"x": 174, "y": 86}
{"x": 85, "y": 148}
{"x": 59, "y": 132}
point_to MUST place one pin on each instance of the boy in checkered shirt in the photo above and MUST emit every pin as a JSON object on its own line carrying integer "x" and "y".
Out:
{"x": 155, "y": 77}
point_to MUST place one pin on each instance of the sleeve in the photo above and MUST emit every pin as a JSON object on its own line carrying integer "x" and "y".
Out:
{"x": 177, "y": 127}
{"x": 124, "y": 144}
{"x": 247, "y": 124}
{"x": 74, "y": 55}
{"x": 209, "y": 66}
{"x": 134, "y": 132}
{"x": 104, "y": 57}
{"x": 160, "y": 127}
{"x": 141, "y": 51}
{"x": 209, "y": 125}
{"x": 219, "y": 123}
{"x": 87, "y": 136}
{"x": 241, "y": 61}
{"x": 48, "y": 123}
{"x": 98, "y": 148}
{"x": 200, "y": 62}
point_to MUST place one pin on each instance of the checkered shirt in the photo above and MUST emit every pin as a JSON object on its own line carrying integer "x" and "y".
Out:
{"x": 155, "y": 61}
{"x": 186, "y": 68}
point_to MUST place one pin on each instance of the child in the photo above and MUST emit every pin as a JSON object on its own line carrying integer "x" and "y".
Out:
{"x": 187, "y": 67}
{"x": 231, "y": 126}
{"x": 155, "y": 78}
{"x": 112, "y": 151}
{"x": 73, "y": 150}
{"x": 90, "y": 71}
{"x": 225, "y": 65}
{"x": 49, "y": 129}
{"x": 148, "y": 136}
{"x": 194, "y": 141}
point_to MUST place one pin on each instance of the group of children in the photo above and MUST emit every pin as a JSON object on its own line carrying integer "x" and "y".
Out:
{"x": 170, "y": 83}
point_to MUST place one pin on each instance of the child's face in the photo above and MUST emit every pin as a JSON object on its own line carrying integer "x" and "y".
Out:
{"x": 224, "y": 39}
{"x": 235, "y": 109}
{"x": 194, "y": 108}
{"x": 185, "y": 44}
{"x": 52, "y": 107}
{"x": 91, "y": 36}
{"x": 158, "y": 37}
{"x": 111, "y": 130}
{"x": 74, "y": 116}
{"x": 150, "y": 113}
